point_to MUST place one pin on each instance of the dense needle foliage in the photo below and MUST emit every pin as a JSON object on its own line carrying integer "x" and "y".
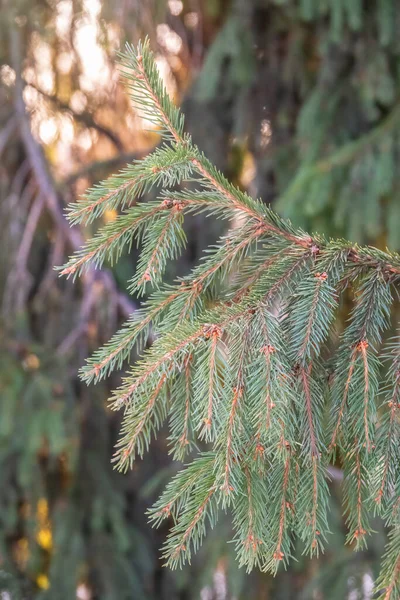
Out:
{"x": 261, "y": 390}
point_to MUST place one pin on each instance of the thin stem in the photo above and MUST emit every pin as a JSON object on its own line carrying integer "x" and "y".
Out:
{"x": 278, "y": 554}
{"x": 307, "y": 396}
{"x": 237, "y": 393}
{"x": 363, "y": 350}
{"x": 143, "y": 420}
{"x": 344, "y": 399}
{"x": 393, "y": 580}
{"x": 181, "y": 545}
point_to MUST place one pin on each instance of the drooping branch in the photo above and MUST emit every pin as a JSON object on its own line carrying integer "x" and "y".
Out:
{"x": 246, "y": 355}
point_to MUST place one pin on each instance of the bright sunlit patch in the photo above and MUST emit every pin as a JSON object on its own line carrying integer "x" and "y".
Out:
{"x": 48, "y": 130}
{"x": 78, "y": 101}
{"x": 44, "y": 69}
{"x": 84, "y": 140}
{"x": 64, "y": 62}
{"x": 191, "y": 20}
{"x": 63, "y": 17}
{"x": 93, "y": 7}
{"x": 206, "y": 593}
{"x": 175, "y": 7}
{"x": 220, "y": 583}
{"x": 31, "y": 97}
{"x": 7, "y": 75}
{"x": 83, "y": 592}
{"x": 113, "y": 36}
{"x": 169, "y": 39}
{"x": 66, "y": 126}
{"x": 266, "y": 132}
{"x": 367, "y": 586}
{"x": 96, "y": 72}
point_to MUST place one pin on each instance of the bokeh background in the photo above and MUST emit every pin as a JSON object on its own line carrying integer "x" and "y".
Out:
{"x": 297, "y": 101}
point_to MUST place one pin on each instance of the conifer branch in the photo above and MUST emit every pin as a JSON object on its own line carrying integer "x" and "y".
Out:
{"x": 279, "y": 545}
{"x": 140, "y": 422}
{"x": 182, "y": 427}
{"x": 175, "y": 496}
{"x": 388, "y": 448}
{"x": 309, "y": 411}
{"x": 250, "y": 541}
{"x": 226, "y": 487}
{"x": 214, "y": 343}
{"x": 338, "y": 418}
{"x": 245, "y": 355}
{"x": 196, "y": 521}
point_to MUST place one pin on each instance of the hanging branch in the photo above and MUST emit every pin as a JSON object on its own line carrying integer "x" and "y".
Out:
{"x": 241, "y": 353}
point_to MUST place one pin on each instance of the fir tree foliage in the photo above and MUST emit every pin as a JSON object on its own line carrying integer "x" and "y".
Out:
{"x": 244, "y": 364}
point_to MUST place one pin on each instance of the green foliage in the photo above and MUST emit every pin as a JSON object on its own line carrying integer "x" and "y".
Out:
{"x": 244, "y": 362}
{"x": 323, "y": 123}
{"x": 40, "y": 454}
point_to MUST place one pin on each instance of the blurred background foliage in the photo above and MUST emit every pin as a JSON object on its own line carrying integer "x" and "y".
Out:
{"x": 298, "y": 102}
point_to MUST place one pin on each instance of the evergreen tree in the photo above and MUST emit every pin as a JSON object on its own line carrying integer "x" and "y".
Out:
{"x": 260, "y": 388}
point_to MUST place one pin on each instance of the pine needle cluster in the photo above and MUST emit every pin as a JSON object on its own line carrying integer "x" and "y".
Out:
{"x": 261, "y": 390}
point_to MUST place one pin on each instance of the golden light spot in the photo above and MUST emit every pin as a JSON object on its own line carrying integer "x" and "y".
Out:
{"x": 44, "y": 538}
{"x": 110, "y": 215}
{"x": 31, "y": 362}
{"x": 42, "y": 581}
{"x": 249, "y": 170}
{"x": 44, "y": 535}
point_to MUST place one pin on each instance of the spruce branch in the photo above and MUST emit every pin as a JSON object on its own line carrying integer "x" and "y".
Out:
{"x": 281, "y": 516}
{"x": 250, "y": 526}
{"x": 148, "y": 92}
{"x": 164, "y": 167}
{"x": 389, "y": 581}
{"x": 245, "y": 359}
{"x": 181, "y": 412}
{"x": 356, "y": 495}
{"x": 178, "y": 303}
{"x": 388, "y": 448}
